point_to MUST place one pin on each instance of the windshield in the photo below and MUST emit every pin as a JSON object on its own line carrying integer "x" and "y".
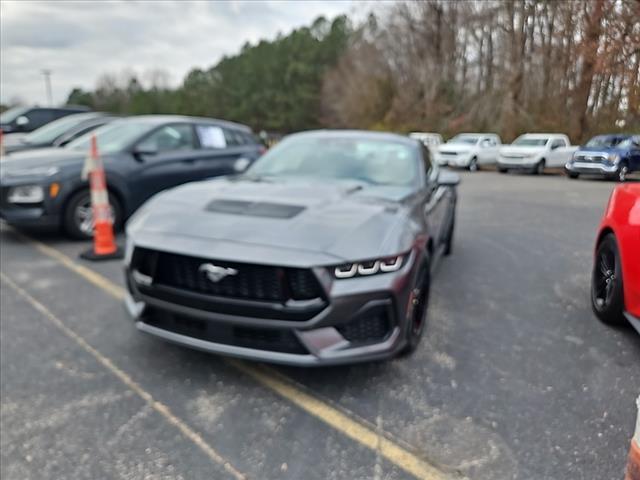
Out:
{"x": 51, "y": 131}
{"x": 605, "y": 141}
{"x": 11, "y": 114}
{"x": 374, "y": 161}
{"x": 465, "y": 139}
{"x": 530, "y": 142}
{"x": 113, "y": 137}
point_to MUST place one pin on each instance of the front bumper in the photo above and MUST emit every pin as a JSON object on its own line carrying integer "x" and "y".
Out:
{"x": 591, "y": 168}
{"x": 42, "y": 215}
{"x": 525, "y": 163}
{"x": 352, "y": 305}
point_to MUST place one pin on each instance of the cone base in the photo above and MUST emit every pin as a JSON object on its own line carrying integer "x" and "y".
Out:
{"x": 93, "y": 256}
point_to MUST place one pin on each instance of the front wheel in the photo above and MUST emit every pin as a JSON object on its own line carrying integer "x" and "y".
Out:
{"x": 419, "y": 307}
{"x": 607, "y": 297}
{"x": 621, "y": 176}
{"x": 473, "y": 165}
{"x": 502, "y": 170}
{"x": 573, "y": 175}
{"x": 539, "y": 168}
{"x": 77, "y": 220}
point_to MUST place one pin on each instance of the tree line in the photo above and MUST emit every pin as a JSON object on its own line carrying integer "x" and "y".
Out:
{"x": 436, "y": 65}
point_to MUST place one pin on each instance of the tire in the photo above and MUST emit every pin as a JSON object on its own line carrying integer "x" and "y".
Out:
{"x": 473, "y": 165}
{"x": 448, "y": 243}
{"x": 607, "y": 296}
{"x": 621, "y": 174}
{"x": 72, "y": 218}
{"x": 420, "y": 309}
{"x": 539, "y": 168}
{"x": 573, "y": 175}
{"x": 502, "y": 170}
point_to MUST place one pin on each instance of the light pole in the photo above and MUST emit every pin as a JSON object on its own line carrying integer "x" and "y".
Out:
{"x": 47, "y": 84}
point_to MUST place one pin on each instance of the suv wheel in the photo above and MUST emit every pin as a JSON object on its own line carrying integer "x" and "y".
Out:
{"x": 621, "y": 176}
{"x": 539, "y": 168}
{"x": 473, "y": 165}
{"x": 77, "y": 220}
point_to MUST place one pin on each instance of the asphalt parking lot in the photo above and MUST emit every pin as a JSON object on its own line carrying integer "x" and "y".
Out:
{"x": 514, "y": 379}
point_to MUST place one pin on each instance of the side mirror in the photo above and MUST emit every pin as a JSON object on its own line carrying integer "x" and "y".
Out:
{"x": 140, "y": 152}
{"x": 22, "y": 121}
{"x": 447, "y": 178}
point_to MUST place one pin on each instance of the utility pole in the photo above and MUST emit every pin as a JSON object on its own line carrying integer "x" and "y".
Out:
{"x": 47, "y": 84}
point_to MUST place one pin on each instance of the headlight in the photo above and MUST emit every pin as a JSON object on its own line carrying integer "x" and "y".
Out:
{"x": 32, "y": 172}
{"x": 26, "y": 194}
{"x": 614, "y": 157}
{"x": 369, "y": 267}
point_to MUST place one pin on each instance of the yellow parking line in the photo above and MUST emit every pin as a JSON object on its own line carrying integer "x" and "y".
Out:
{"x": 159, "y": 407}
{"x": 330, "y": 415}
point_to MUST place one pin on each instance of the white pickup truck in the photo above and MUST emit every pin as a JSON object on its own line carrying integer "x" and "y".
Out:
{"x": 536, "y": 151}
{"x": 469, "y": 150}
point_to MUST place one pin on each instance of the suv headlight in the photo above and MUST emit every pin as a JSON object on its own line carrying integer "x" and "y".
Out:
{"x": 26, "y": 194}
{"x": 369, "y": 267}
{"x": 614, "y": 157}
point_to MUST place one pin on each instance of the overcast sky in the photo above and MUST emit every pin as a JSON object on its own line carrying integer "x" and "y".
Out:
{"x": 78, "y": 41}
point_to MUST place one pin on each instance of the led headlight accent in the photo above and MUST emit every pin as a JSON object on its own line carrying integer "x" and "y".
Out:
{"x": 369, "y": 267}
{"x": 26, "y": 194}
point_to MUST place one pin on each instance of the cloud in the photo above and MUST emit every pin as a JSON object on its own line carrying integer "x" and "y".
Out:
{"x": 80, "y": 40}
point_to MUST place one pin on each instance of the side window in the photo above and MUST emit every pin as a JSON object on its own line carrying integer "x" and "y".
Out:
{"x": 557, "y": 143}
{"x": 233, "y": 137}
{"x": 169, "y": 137}
{"x": 38, "y": 117}
{"x": 211, "y": 136}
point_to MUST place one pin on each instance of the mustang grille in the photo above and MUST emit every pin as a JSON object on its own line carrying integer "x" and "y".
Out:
{"x": 250, "y": 281}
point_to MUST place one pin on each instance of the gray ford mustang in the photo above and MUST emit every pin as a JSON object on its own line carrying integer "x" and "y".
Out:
{"x": 321, "y": 253}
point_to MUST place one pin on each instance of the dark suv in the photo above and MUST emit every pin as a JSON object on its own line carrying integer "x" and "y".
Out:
{"x": 141, "y": 155}
{"x": 27, "y": 119}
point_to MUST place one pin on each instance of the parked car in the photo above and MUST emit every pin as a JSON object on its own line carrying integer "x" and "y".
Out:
{"x": 612, "y": 156}
{"x": 535, "y": 152}
{"x": 430, "y": 140}
{"x": 27, "y": 119}
{"x": 615, "y": 280}
{"x": 320, "y": 253}
{"x": 57, "y": 133}
{"x": 469, "y": 150}
{"x": 141, "y": 155}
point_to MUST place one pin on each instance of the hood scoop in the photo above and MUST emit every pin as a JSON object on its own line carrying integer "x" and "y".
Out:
{"x": 254, "y": 209}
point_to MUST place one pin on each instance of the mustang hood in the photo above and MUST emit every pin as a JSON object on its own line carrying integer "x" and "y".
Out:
{"x": 235, "y": 217}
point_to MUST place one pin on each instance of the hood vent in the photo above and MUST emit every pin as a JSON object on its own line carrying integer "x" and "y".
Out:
{"x": 255, "y": 209}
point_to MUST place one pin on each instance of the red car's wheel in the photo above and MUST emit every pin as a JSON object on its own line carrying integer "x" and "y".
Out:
{"x": 607, "y": 297}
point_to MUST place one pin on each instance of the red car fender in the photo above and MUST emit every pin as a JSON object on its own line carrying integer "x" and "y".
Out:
{"x": 622, "y": 216}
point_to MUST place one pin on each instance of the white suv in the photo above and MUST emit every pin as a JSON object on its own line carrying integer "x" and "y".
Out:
{"x": 535, "y": 151}
{"x": 469, "y": 150}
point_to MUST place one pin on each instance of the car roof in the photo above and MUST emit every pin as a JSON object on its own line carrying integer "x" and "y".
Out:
{"x": 364, "y": 134}
{"x": 160, "y": 119}
{"x": 472, "y": 134}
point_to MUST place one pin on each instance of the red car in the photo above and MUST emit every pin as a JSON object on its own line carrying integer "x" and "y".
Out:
{"x": 615, "y": 282}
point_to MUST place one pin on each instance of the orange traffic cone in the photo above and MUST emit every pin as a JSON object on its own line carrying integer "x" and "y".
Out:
{"x": 633, "y": 465}
{"x": 104, "y": 244}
